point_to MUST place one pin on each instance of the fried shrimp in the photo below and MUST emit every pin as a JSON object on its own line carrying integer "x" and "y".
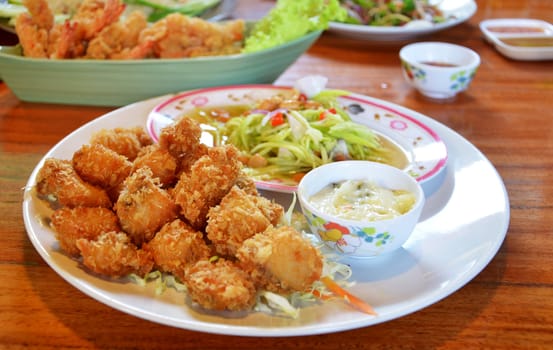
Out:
{"x": 113, "y": 254}
{"x": 101, "y": 166}
{"x": 119, "y": 40}
{"x": 125, "y": 141}
{"x": 143, "y": 207}
{"x": 220, "y": 285}
{"x": 177, "y": 36}
{"x": 176, "y": 246}
{"x": 160, "y": 161}
{"x": 234, "y": 220}
{"x": 207, "y": 182}
{"x": 71, "y": 224}
{"x": 281, "y": 260}
{"x": 60, "y": 185}
{"x": 33, "y": 28}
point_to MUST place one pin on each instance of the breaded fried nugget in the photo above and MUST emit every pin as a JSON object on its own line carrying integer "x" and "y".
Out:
{"x": 176, "y": 246}
{"x": 125, "y": 141}
{"x": 207, "y": 182}
{"x": 272, "y": 211}
{"x": 281, "y": 260}
{"x": 246, "y": 183}
{"x": 220, "y": 285}
{"x": 60, "y": 185}
{"x": 143, "y": 206}
{"x": 182, "y": 140}
{"x": 234, "y": 220}
{"x": 160, "y": 161}
{"x": 70, "y": 224}
{"x": 101, "y": 166}
{"x": 113, "y": 254}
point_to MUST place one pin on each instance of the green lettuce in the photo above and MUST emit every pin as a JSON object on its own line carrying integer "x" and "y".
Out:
{"x": 292, "y": 19}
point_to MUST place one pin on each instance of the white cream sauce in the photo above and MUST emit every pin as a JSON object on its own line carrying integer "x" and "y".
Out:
{"x": 362, "y": 200}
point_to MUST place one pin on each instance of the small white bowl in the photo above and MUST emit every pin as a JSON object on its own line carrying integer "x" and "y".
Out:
{"x": 438, "y": 70}
{"x": 360, "y": 238}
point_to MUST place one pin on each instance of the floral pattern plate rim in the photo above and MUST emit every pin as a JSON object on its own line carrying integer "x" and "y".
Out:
{"x": 425, "y": 151}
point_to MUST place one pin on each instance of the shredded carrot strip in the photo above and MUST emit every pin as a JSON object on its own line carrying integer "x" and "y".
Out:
{"x": 350, "y": 298}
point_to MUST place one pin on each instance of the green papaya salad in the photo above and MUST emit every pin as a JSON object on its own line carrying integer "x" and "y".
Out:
{"x": 283, "y": 137}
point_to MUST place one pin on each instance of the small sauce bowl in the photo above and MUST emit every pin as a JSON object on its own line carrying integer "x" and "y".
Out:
{"x": 438, "y": 70}
{"x": 360, "y": 238}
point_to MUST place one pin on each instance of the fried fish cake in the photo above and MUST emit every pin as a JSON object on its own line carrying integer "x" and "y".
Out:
{"x": 281, "y": 260}
{"x": 220, "y": 285}
{"x": 160, "y": 161}
{"x": 125, "y": 141}
{"x": 112, "y": 254}
{"x": 71, "y": 224}
{"x": 234, "y": 220}
{"x": 101, "y": 166}
{"x": 207, "y": 182}
{"x": 60, "y": 185}
{"x": 176, "y": 246}
{"x": 143, "y": 207}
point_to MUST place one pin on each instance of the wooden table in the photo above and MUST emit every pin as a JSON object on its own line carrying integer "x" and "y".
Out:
{"x": 506, "y": 113}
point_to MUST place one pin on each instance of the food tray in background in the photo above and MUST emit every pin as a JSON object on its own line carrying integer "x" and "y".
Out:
{"x": 520, "y": 38}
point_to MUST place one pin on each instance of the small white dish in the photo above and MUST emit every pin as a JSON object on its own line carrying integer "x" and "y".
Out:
{"x": 520, "y": 38}
{"x": 360, "y": 238}
{"x": 438, "y": 70}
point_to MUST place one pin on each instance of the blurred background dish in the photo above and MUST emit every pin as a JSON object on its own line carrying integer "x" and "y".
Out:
{"x": 520, "y": 38}
{"x": 455, "y": 12}
{"x": 211, "y": 10}
{"x": 120, "y": 82}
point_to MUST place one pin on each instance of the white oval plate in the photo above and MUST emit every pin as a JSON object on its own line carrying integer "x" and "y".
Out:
{"x": 461, "y": 228}
{"x": 461, "y": 10}
{"x": 425, "y": 151}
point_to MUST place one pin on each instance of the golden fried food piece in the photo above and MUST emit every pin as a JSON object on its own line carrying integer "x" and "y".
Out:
{"x": 177, "y": 36}
{"x": 143, "y": 207}
{"x": 220, "y": 285}
{"x": 281, "y": 260}
{"x": 113, "y": 254}
{"x": 207, "y": 182}
{"x": 125, "y": 141}
{"x": 234, "y": 220}
{"x": 60, "y": 185}
{"x": 176, "y": 246}
{"x": 71, "y": 224}
{"x": 272, "y": 211}
{"x": 246, "y": 183}
{"x": 160, "y": 161}
{"x": 101, "y": 166}
{"x": 182, "y": 140}
{"x": 33, "y": 28}
{"x": 119, "y": 40}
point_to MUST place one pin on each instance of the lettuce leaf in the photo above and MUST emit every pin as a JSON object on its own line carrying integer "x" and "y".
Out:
{"x": 291, "y": 19}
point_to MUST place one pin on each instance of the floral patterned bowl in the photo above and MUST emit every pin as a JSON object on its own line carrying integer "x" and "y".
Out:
{"x": 360, "y": 238}
{"x": 438, "y": 70}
